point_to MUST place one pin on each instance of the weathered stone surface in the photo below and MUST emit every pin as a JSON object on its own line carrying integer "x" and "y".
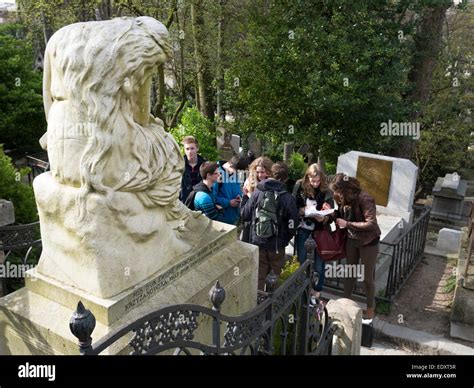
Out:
{"x": 109, "y": 310}
{"x": 448, "y": 198}
{"x": 34, "y": 324}
{"x": 348, "y": 315}
{"x": 7, "y": 213}
{"x": 450, "y": 186}
{"x": 449, "y": 241}
{"x": 111, "y": 249}
{"x": 462, "y": 311}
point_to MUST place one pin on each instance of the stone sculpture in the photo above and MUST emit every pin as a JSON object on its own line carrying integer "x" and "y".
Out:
{"x": 109, "y": 209}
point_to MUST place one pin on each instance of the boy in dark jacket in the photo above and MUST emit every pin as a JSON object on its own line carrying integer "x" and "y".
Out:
{"x": 272, "y": 249}
{"x": 192, "y": 164}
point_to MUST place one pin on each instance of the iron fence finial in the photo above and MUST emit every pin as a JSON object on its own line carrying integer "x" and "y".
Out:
{"x": 310, "y": 247}
{"x": 217, "y": 296}
{"x": 271, "y": 281}
{"x": 82, "y": 325}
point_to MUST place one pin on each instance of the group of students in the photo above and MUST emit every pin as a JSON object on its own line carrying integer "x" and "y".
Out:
{"x": 272, "y": 216}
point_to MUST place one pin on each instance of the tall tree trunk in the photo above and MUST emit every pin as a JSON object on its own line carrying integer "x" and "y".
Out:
{"x": 47, "y": 30}
{"x": 220, "y": 73}
{"x": 321, "y": 163}
{"x": 83, "y": 14}
{"x": 196, "y": 93}
{"x": 427, "y": 43}
{"x": 202, "y": 62}
{"x": 103, "y": 11}
{"x": 427, "y": 46}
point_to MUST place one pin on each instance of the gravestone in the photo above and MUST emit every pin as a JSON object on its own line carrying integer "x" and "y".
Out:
{"x": 255, "y": 145}
{"x": 224, "y": 144}
{"x": 448, "y": 198}
{"x": 114, "y": 233}
{"x": 374, "y": 170}
{"x": 7, "y": 213}
{"x": 449, "y": 241}
{"x": 235, "y": 142}
{"x": 392, "y": 182}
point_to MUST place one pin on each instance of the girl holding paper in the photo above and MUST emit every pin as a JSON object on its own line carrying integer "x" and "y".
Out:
{"x": 311, "y": 194}
{"x": 358, "y": 214}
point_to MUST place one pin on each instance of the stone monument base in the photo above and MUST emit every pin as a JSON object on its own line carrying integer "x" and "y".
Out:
{"x": 35, "y": 319}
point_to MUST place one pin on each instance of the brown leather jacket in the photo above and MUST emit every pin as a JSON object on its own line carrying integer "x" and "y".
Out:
{"x": 364, "y": 227}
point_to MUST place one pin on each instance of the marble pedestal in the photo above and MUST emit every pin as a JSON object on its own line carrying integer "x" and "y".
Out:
{"x": 35, "y": 319}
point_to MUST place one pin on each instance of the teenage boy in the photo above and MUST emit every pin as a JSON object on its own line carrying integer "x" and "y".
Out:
{"x": 228, "y": 188}
{"x": 204, "y": 198}
{"x": 192, "y": 164}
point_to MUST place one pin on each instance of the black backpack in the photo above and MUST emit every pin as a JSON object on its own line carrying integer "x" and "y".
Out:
{"x": 190, "y": 200}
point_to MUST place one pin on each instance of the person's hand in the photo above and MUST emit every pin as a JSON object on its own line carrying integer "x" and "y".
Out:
{"x": 342, "y": 223}
{"x": 235, "y": 202}
{"x": 219, "y": 207}
{"x": 326, "y": 206}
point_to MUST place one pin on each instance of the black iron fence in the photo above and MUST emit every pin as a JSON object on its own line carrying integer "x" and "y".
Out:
{"x": 403, "y": 254}
{"x": 38, "y": 163}
{"x": 21, "y": 245}
{"x": 284, "y": 322}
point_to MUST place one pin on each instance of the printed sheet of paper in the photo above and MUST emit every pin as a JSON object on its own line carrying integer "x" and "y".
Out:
{"x": 311, "y": 211}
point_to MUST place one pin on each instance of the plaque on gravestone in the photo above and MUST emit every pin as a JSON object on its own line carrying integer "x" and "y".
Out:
{"x": 375, "y": 176}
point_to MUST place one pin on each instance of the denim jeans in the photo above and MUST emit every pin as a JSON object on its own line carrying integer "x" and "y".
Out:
{"x": 319, "y": 267}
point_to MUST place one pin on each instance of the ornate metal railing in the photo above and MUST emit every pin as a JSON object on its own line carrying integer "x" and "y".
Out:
{"x": 282, "y": 323}
{"x": 22, "y": 246}
{"x": 404, "y": 254}
{"x": 406, "y": 251}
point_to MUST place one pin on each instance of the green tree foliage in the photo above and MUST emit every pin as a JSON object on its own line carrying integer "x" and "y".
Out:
{"x": 22, "y": 120}
{"x": 327, "y": 74}
{"x": 297, "y": 167}
{"x": 447, "y": 119}
{"x": 13, "y": 189}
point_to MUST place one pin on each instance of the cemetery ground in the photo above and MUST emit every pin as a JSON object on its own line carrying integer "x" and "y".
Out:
{"x": 424, "y": 305}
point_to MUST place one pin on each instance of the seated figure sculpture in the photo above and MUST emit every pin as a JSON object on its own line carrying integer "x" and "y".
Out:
{"x": 109, "y": 210}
